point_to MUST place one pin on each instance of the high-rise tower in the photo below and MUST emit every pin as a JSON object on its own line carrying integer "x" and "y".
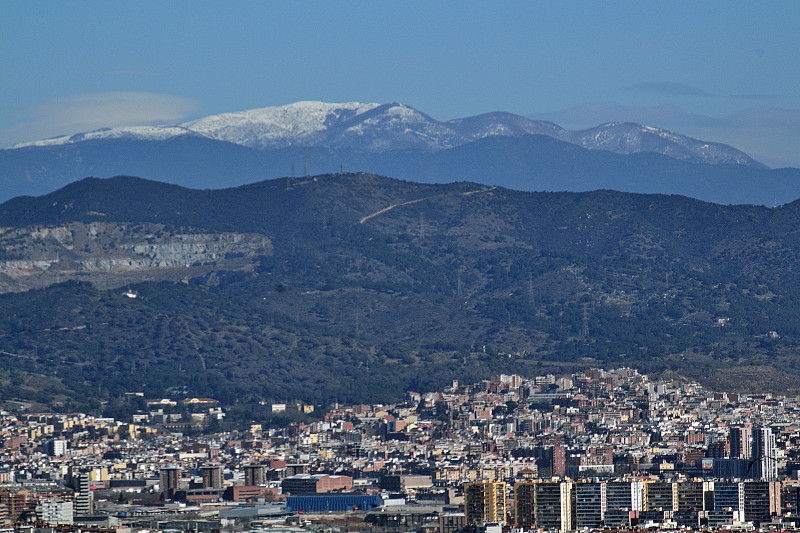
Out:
{"x": 764, "y": 463}
{"x": 485, "y": 502}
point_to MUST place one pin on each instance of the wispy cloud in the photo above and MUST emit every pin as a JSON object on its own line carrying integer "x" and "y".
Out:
{"x": 593, "y": 114}
{"x": 136, "y": 73}
{"x": 87, "y": 112}
{"x": 759, "y": 96}
{"x": 668, "y": 88}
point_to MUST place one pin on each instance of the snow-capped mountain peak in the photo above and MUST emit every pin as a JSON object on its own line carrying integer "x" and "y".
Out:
{"x": 376, "y": 127}
{"x": 629, "y": 137}
{"x": 279, "y": 126}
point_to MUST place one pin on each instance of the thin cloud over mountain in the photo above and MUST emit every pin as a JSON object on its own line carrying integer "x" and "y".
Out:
{"x": 87, "y": 112}
{"x": 669, "y": 88}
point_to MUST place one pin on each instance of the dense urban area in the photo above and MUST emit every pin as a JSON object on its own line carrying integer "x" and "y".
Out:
{"x": 598, "y": 449}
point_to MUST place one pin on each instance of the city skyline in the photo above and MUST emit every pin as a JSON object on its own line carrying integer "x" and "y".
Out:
{"x": 592, "y": 449}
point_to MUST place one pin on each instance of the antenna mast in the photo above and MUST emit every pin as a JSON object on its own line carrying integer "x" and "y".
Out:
{"x": 531, "y": 299}
{"x": 585, "y": 326}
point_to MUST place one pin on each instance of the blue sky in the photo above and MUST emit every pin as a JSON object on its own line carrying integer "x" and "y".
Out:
{"x": 723, "y": 71}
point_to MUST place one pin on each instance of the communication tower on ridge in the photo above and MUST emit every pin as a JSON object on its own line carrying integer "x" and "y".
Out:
{"x": 531, "y": 299}
{"x": 585, "y": 325}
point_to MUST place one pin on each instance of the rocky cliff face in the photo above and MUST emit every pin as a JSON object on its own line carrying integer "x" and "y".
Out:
{"x": 113, "y": 255}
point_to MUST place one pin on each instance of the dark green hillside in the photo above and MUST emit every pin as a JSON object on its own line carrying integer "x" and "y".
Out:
{"x": 96, "y": 345}
{"x": 372, "y": 286}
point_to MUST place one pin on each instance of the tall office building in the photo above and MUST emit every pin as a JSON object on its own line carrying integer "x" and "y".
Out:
{"x": 764, "y": 462}
{"x": 622, "y": 497}
{"x": 524, "y": 503}
{"x": 691, "y": 496}
{"x": 660, "y": 496}
{"x": 762, "y": 500}
{"x": 485, "y": 502}
{"x": 728, "y": 495}
{"x": 84, "y": 497}
{"x": 559, "y": 460}
{"x": 741, "y": 439}
{"x": 545, "y": 505}
{"x": 552, "y": 460}
{"x": 212, "y": 476}
{"x": 590, "y": 504}
{"x": 55, "y": 447}
{"x": 170, "y": 480}
{"x": 566, "y": 494}
{"x": 254, "y": 475}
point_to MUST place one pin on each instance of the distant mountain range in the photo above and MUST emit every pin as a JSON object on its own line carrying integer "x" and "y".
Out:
{"x": 396, "y": 140}
{"x": 392, "y": 127}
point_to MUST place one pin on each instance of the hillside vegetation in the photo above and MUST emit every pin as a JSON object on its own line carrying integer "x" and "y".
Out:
{"x": 355, "y": 287}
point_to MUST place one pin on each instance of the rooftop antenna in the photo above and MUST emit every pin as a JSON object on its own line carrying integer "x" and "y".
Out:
{"x": 421, "y": 226}
{"x": 459, "y": 286}
{"x": 307, "y": 157}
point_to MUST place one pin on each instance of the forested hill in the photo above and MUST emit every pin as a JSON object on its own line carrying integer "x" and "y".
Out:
{"x": 355, "y": 287}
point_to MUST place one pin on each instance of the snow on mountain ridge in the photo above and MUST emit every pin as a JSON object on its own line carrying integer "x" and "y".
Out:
{"x": 395, "y": 126}
{"x": 376, "y": 127}
{"x": 278, "y": 126}
{"x": 149, "y": 133}
{"x": 629, "y": 138}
